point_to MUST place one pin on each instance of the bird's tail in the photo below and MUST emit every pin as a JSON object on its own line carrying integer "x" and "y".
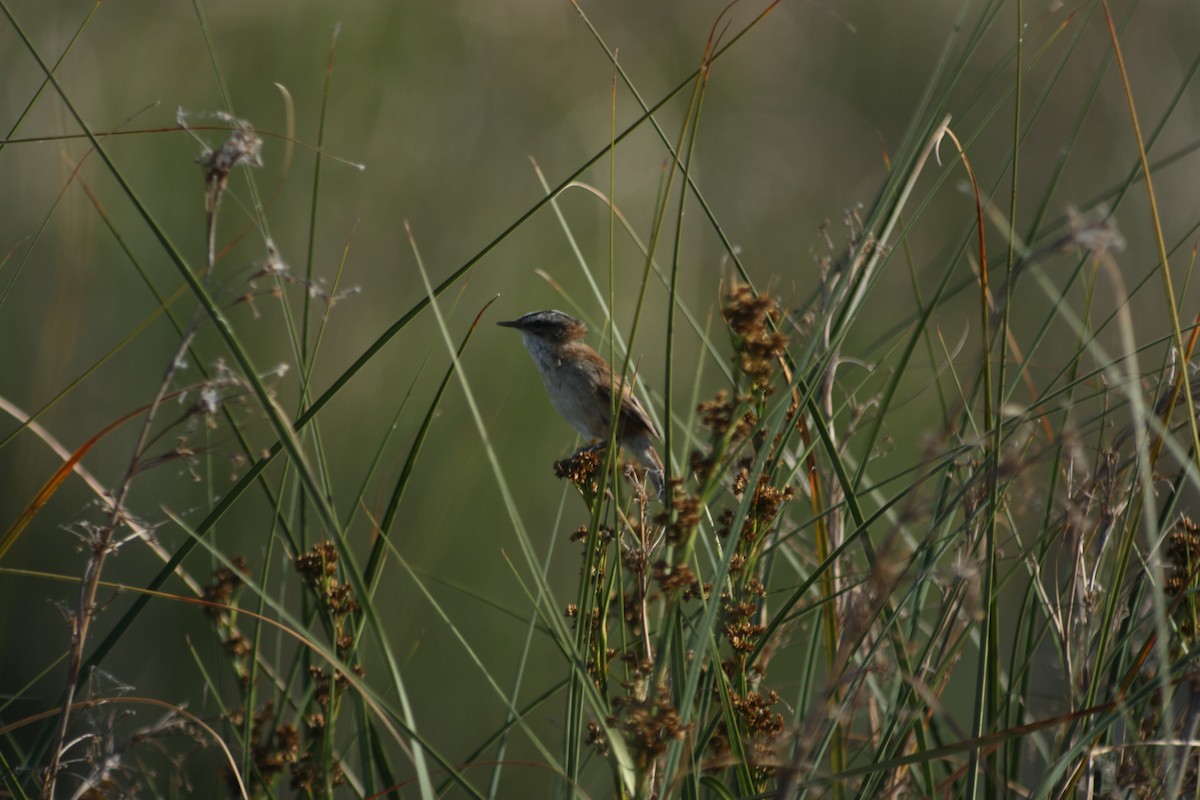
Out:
{"x": 647, "y": 456}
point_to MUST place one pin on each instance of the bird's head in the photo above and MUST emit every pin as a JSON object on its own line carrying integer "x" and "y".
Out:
{"x": 552, "y": 327}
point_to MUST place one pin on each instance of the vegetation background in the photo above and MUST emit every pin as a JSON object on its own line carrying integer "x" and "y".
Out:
{"x": 452, "y": 109}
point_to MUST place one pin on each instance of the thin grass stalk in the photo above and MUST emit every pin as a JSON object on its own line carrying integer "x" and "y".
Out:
{"x": 209, "y": 307}
{"x": 16, "y": 272}
{"x": 103, "y": 539}
{"x": 991, "y": 594}
{"x": 855, "y": 296}
{"x": 248, "y": 766}
{"x": 511, "y": 717}
{"x": 512, "y": 709}
{"x": 391, "y": 718}
{"x": 1021, "y": 676}
{"x": 672, "y": 615}
{"x": 730, "y": 249}
{"x": 1153, "y": 447}
{"x": 581, "y": 681}
{"x": 983, "y": 125}
{"x": 1159, "y": 241}
{"x": 986, "y": 677}
{"x": 1125, "y": 544}
{"x": 314, "y": 205}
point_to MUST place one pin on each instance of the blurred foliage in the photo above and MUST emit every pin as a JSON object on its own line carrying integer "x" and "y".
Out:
{"x": 444, "y": 104}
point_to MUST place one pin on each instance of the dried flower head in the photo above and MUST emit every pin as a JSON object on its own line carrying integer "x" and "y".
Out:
{"x": 1181, "y": 566}
{"x": 224, "y": 584}
{"x": 1095, "y": 232}
{"x": 649, "y": 725}
{"x": 242, "y": 148}
{"x": 221, "y": 592}
{"x": 753, "y": 320}
{"x": 317, "y": 563}
{"x": 582, "y": 469}
{"x": 596, "y": 739}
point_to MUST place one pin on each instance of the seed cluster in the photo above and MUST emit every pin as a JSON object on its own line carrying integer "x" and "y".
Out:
{"x": 221, "y": 593}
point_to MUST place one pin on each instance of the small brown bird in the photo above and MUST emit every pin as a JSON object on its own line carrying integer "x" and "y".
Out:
{"x": 580, "y": 383}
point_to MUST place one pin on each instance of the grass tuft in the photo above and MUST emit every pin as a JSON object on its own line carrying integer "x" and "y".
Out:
{"x": 926, "y": 528}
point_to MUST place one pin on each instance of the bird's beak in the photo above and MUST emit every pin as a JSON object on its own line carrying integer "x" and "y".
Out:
{"x": 512, "y": 323}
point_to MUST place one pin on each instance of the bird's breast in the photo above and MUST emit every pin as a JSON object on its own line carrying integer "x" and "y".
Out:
{"x": 574, "y": 398}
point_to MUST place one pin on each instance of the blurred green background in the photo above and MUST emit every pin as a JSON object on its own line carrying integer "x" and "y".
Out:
{"x": 445, "y": 104}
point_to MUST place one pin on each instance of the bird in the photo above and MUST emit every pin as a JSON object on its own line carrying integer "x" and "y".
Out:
{"x": 580, "y": 384}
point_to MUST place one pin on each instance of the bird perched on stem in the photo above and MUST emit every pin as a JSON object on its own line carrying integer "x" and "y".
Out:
{"x": 580, "y": 384}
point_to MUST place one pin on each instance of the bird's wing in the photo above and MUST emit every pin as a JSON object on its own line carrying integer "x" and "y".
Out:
{"x": 631, "y": 408}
